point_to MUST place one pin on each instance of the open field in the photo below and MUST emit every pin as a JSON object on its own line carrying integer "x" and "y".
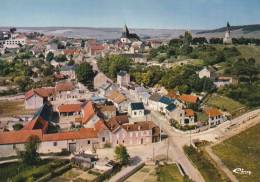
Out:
{"x": 13, "y": 108}
{"x": 207, "y": 169}
{"x": 250, "y": 51}
{"x": 166, "y": 173}
{"x": 75, "y": 174}
{"x": 225, "y": 104}
{"x": 242, "y": 151}
{"x": 19, "y": 170}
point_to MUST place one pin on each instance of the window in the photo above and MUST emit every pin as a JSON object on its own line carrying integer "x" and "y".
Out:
{"x": 134, "y": 113}
{"x": 55, "y": 144}
{"x": 88, "y": 141}
{"x": 123, "y": 141}
{"x": 14, "y": 146}
{"x": 103, "y": 139}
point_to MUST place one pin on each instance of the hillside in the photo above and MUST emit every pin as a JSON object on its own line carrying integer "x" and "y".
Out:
{"x": 245, "y": 28}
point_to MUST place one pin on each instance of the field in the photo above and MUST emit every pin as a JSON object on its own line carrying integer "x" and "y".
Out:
{"x": 242, "y": 151}
{"x": 250, "y": 51}
{"x": 21, "y": 171}
{"x": 75, "y": 175}
{"x": 13, "y": 108}
{"x": 207, "y": 169}
{"x": 166, "y": 173}
{"x": 224, "y": 103}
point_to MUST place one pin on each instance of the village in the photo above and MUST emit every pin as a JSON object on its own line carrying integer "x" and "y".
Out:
{"x": 85, "y": 112}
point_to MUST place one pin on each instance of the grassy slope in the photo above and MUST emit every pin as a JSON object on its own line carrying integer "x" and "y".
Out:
{"x": 224, "y": 103}
{"x": 209, "y": 172}
{"x": 169, "y": 173}
{"x": 242, "y": 150}
{"x": 12, "y": 108}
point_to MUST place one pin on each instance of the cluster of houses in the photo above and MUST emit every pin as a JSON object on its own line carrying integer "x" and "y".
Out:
{"x": 219, "y": 81}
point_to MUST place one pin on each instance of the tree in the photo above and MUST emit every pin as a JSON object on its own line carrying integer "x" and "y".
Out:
{"x": 49, "y": 56}
{"x": 61, "y": 58}
{"x": 85, "y": 74}
{"x": 30, "y": 156}
{"x": 122, "y": 155}
{"x": 17, "y": 126}
{"x": 23, "y": 82}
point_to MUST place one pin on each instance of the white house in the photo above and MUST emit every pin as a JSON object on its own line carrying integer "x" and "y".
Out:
{"x": 153, "y": 102}
{"x": 136, "y": 109}
{"x": 123, "y": 79}
{"x": 215, "y": 117}
{"x": 208, "y": 73}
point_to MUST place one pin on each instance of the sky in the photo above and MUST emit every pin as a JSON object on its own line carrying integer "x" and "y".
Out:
{"x": 168, "y": 14}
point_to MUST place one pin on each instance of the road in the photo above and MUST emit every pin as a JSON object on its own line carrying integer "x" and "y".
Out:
{"x": 178, "y": 139}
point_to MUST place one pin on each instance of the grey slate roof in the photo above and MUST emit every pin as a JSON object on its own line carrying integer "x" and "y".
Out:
{"x": 137, "y": 106}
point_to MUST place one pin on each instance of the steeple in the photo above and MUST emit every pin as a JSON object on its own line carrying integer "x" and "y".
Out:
{"x": 228, "y": 27}
{"x": 125, "y": 30}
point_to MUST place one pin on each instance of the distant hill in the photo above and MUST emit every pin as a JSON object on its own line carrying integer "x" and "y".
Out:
{"x": 244, "y": 28}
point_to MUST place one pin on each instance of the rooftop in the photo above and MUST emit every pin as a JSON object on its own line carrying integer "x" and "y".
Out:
{"x": 137, "y": 106}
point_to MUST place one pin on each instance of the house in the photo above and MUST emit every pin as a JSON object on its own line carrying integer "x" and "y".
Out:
{"x": 89, "y": 115}
{"x": 107, "y": 111}
{"x": 68, "y": 71}
{"x": 208, "y": 72}
{"x": 136, "y": 109}
{"x": 105, "y": 88}
{"x": 95, "y": 49}
{"x": 144, "y": 132}
{"x": 114, "y": 122}
{"x": 119, "y": 100}
{"x": 153, "y": 101}
{"x": 84, "y": 161}
{"x": 40, "y": 120}
{"x": 101, "y": 79}
{"x": 14, "y": 41}
{"x": 225, "y": 80}
{"x": 140, "y": 93}
{"x": 123, "y": 79}
{"x": 215, "y": 117}
{"x": 189, "y": 117}
{"x": 35, "y": 98}
{"x": 191, "y": 101}
{"x": 64, "y": 90}
{"x": 69, "y": 110}
{"x": 164, "y": 102}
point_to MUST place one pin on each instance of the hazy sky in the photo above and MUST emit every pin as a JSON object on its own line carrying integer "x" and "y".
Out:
{"x": 188, "y": 14}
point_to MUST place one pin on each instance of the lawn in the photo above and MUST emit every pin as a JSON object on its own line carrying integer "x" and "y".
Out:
{"x": 13, "y": 108}
{"x": 225, "y": 104}
{"x": 168, "y": 173}
{"x": 242, "y": 151}
{"x": 165, "y": 173}
{"x": 207, "y": 169}
{"x": 18, "y": 170}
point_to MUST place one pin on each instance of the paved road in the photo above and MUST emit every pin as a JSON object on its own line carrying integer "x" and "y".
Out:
{"x": 175, "y": 150}
{"x": 179, "y": 139}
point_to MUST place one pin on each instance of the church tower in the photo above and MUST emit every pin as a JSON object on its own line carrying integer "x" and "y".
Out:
{"x": 227, "y": 39}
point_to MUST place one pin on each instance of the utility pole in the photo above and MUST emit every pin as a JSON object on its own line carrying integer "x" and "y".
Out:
{"x": 153, "y": 152}
{"x": 168, "y": 145}
{"x": 190, "y": 137}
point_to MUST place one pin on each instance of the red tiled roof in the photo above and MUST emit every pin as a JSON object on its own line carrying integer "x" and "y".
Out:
{"x": 189, "y": 98}
{"x": 71, "y": 52}
{"x": 64, "y": 86}
{"x": 116, "y": 97}
{"x": 83, "y": 133}
{"x": 100, "y": 125}
{"x": 189, "y": 112}
{"x": 36, "y": 123}
{"x": 88, "y": 112}
{"x": 116, "y": 121}
{"x": 69, "y": 108}
{"x": 139, "y": 126}
{"x": 20, "y": 136}
{"x": 42, "y": 92}
{"x": 212, "y": 112}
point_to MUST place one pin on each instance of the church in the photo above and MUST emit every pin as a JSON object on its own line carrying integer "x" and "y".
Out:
{"x": 227, "y": 39}
{"x": 128, "y": 37}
